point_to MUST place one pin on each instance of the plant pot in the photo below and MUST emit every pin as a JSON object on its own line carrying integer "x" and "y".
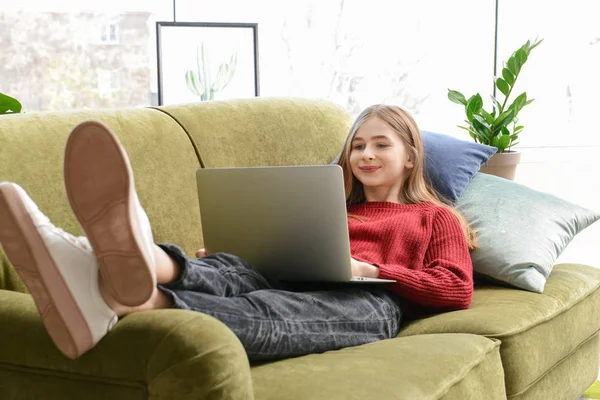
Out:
{"x": 503, "y": 165}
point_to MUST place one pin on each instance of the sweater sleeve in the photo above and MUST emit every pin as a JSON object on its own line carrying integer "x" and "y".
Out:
{"x": 445, "y": 281}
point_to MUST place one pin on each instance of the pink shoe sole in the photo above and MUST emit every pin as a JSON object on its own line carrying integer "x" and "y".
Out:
{"x": 100, "y": 188}
{"x": 27, "y": 252}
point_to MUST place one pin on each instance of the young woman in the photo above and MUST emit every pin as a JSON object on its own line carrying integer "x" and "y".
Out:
{"x": 399, "y": 229}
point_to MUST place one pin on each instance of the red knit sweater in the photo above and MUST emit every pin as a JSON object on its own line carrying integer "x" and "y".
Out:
{"x": 421, "y": 246}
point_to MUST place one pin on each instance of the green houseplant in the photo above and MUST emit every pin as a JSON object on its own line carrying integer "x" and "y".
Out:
{"x": 9, "y": 105}
{"x": 498, "y": 127}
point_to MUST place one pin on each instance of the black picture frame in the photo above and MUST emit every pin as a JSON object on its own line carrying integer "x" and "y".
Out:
{"x": 169, "y": 72}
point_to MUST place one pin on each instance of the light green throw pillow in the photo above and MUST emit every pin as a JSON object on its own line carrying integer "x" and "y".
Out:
{"x": 521, "y": 231}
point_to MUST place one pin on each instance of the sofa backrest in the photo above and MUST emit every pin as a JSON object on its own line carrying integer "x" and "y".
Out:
{"x": 166, "y": 145}
{"x": 163, "y": 160}
{"x": 265, "y": 131}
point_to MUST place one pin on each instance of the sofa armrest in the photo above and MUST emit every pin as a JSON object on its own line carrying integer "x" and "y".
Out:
{"x": 161, "y": 354}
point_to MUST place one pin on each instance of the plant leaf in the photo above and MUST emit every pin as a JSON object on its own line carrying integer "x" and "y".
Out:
{"x": 521, "y": 57}
{"x": 503, "y": 119}
{"x": 536, "y": 44}
{"x": 481, "y": 119}
{"x": 474, "y": 106}
{"x": 494, "y": 141}
{"x": 513, "y": 66}
{"x": 489, "y": 118}
{"x": 497, "y": 104}
{"x": 520, "y": 102}
{"x": 508, "y": 76}
{"x": 456, "y": 97}
{"x": 8, "y": 103}
{"x": 529, "y": 101}
{"x": 482, "y": 130}
{"x": 503, "y": 86}
{"x": 503, "y": 142}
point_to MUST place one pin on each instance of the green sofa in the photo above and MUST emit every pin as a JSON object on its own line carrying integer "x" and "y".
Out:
{"x": 510, "y": 344}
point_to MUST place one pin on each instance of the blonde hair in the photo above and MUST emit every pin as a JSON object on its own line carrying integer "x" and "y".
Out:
{"x": 415, "y": 188}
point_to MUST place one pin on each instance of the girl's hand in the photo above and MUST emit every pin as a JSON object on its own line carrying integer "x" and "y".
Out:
{"x": 201, "y": 253}
{"x": 360, "y": 268}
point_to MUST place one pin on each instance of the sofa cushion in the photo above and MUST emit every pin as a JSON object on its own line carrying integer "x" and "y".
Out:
{"x": 451, "y": 163}
{"x": 526, "y": 322}
{"x": 569, "y": 378}
{"x": 521, "y": 231}
{"x": 454, "y": 366}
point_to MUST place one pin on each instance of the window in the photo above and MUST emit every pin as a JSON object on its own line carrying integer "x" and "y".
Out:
{"x": 561, "y": 74}
{"x": 409, "y": 53}
{"x": 109, "y": 34}
{"x": 561, "y": 138}
{"x": 404, "y": 52}
{"x": 59, "y": 55}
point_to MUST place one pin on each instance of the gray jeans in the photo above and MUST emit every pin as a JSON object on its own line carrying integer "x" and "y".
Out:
{"x": 276, "y": 321}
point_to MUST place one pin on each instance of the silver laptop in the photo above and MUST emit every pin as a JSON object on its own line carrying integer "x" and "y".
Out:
{"x": 289, "y": 223}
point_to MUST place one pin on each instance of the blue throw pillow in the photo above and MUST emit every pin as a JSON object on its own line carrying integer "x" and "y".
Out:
{"x": 451, "y": 163}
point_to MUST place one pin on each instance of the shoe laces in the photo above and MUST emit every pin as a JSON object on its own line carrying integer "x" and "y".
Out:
{"x": 80, "y": 241}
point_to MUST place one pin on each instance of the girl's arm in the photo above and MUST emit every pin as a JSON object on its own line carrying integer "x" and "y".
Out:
{"x": 445, "y": 280}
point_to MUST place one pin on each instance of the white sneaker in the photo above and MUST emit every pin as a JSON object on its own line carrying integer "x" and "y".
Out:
{"x": 101, "y": 190}
{"x": 59, "y": 270}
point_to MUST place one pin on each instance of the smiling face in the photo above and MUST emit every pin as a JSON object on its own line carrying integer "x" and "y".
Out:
{"x": 379, "y": 159}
